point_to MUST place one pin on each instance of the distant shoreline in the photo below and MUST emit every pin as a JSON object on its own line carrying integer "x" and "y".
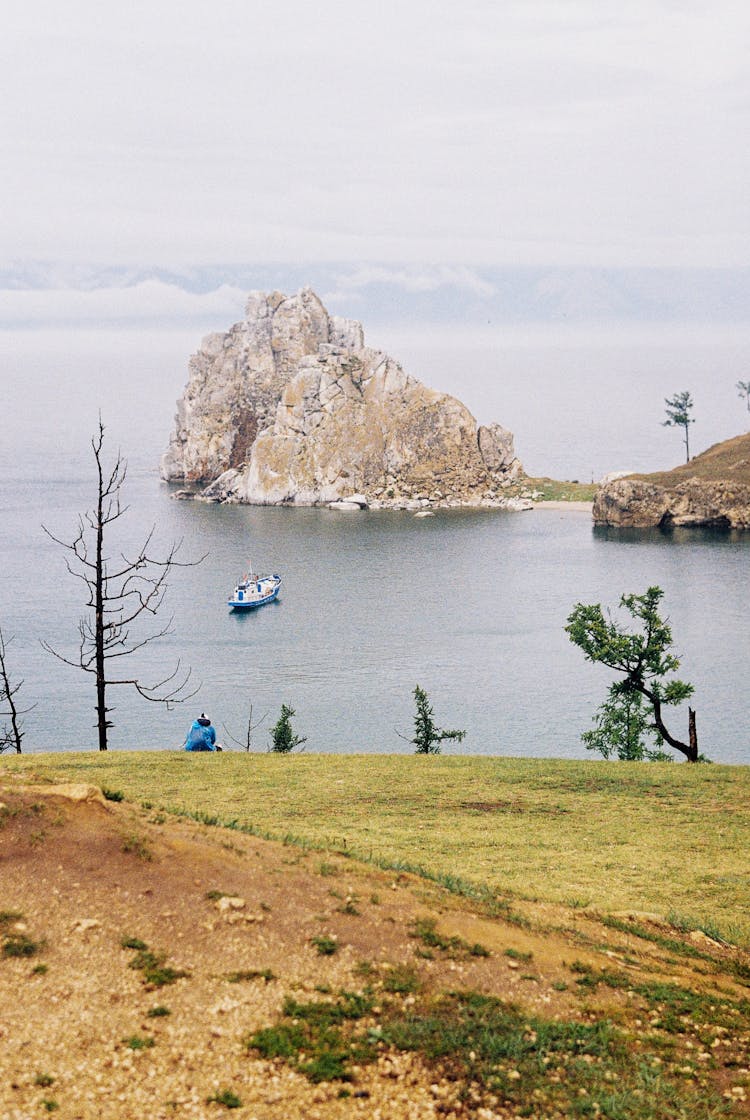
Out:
{"x": 579, "y": 507}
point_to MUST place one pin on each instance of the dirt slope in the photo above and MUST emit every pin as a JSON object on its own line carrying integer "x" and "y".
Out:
{"x": 79, "y": 875}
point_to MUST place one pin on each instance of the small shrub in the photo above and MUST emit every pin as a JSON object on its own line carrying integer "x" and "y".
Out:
{"x": 133, "y": 943}
{"x": 517, "y": 955}
{"x": 136, "y": 845}
{"x": 139, "y": 1042}
{"x": 250, "y": 974}
{"x": 19, "y": 945}
{"x": 112, "y": 794}
{"x": 427, "y": 735}
{"x": 39, "y": 969}
{"x": 283, "y": 737}
{"x": 158, "y": 1012}
{"x": 44, "y": 1080}
{"x": 155, "y": 972}
{"x": 325, "y": 945}
{"x": 226, "y": 1098}
{"x": 50, "y": 1105}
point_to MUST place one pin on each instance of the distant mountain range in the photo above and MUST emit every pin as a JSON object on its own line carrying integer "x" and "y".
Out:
{"x": 38, "y": 292}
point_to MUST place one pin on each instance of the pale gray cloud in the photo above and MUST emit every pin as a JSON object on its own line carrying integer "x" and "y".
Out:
{"x": 579, "y": 132}
{"x": 146, "y": 302}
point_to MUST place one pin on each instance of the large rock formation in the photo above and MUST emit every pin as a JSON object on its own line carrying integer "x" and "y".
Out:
{"x": 290, "y": 406}
{"x": 712, "y": 490}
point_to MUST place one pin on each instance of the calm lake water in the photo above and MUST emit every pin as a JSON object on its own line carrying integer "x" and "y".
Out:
{"x": 470, "y": 605}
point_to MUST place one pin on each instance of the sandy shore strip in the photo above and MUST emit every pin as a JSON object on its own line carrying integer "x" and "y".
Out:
{"x": 579, "y": 507}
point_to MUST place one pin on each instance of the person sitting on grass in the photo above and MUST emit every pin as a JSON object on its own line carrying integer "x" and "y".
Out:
{"x": 201, "y": 736}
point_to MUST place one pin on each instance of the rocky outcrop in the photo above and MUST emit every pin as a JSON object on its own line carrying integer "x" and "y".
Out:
{"x": 634, "y": 503}
{"x": 291, "y": 407}
{"x": 713, "y": 490}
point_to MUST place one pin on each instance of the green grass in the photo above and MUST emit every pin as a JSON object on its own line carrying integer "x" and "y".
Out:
{"x": 243, "y": 975}
{"x": 622, "y": 836}
{"x": 425, "y": 930}
{"x": 554, "y": 490}
{"x": 139, "y": 1042}
{"x": 226, "y": 1098}
{"x": 489, "y": 1051}
{"x": 156, "y": 973}
{"x": 325, "y": 945}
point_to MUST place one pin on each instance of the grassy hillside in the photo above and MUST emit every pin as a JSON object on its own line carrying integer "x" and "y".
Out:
{"x": 724, "y": 462}
{"x": 665, "y": 839}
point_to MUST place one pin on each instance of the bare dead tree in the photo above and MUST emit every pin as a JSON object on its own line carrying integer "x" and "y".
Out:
{"x": 120, "y": 592}
{"x": 247, "y": 743}
{"x": 11, "y": 733}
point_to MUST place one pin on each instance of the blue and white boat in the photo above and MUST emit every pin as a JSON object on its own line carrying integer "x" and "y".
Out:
{"x": 254, "y": 591}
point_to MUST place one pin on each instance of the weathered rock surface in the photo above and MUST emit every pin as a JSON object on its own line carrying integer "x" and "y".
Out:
{"x": 713, "y": 490}
{"x": 290, "y": 406}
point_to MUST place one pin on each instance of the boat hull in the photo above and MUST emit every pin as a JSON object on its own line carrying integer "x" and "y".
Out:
{"x": 259, "y": 594}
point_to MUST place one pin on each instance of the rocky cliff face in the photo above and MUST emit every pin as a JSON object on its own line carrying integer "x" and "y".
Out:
{"x": 635, "y": 503}
{"x": 712, "y": 490}
{"x": 290, "y": 406}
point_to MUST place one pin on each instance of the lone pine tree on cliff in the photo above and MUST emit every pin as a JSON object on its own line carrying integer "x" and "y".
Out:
{"x": 121, "y": 592}
{"x": 645, "y": 662}
{"x": 678, "y": 410}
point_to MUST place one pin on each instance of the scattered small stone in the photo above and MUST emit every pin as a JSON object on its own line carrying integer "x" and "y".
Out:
{"x": 83, "y": 925}
{"x": 229, "y": 902}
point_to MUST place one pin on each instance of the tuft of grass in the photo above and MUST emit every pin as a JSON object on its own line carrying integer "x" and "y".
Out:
{"x": 250, "y": 974}
{"x": 40, "y": 969}
{"x": 20, "y": 945}
{"x": 9, "y": 916}
{"x": 156, "y": 974}
{"x": 49, "y": 1105}
{"x": 44, "y": 1080}
{"x": 226, "y": 1098}
{"x": 517, "y": 955}
{"x": 137, "y": 846}
{"x": 402, "y": 979}
{"x": 425, "y": 929}
{"x": 158, "y": 1012}
{"x": 349, "y": 907}
{"x": 112, "y": 794}
{"x": 315, "y": 1038}
{"x": 133, "y": 943}
{"x": 325, "y": 945}
{"x": 139, "y": 1042}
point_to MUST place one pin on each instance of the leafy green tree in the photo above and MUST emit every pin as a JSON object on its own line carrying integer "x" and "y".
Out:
{"x": 283, "y": 738}
{"x": 643, "y": 658}
{"x": 743, "y": 389}
{"x": 622, "y": 727}
{"x": 427, "y": 736}
{"x": 678, "y": 410}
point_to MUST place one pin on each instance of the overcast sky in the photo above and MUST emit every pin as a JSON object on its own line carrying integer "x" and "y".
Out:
{"x": 405, "y": 132}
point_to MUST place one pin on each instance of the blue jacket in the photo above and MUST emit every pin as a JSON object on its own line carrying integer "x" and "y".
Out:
{"x": 200, "y": 737}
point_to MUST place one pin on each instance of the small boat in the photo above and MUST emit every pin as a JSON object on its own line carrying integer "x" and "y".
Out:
{"x": 254, "y": 591}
